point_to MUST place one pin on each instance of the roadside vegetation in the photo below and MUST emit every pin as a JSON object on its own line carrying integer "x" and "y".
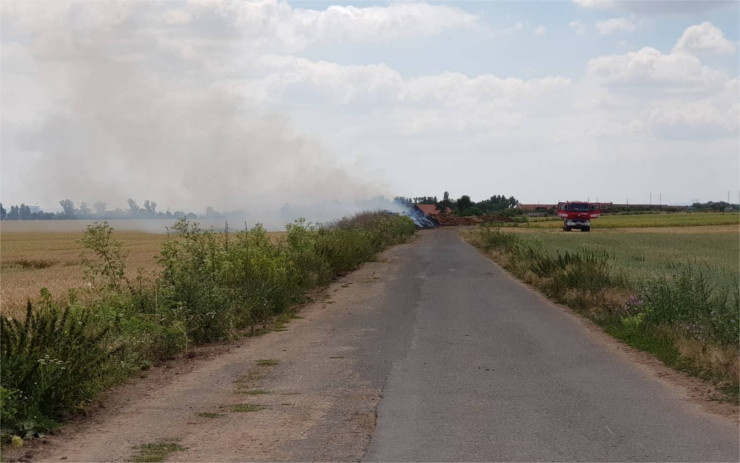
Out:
{"x": 207, "y": 287}
{"x": 673, "y": 294}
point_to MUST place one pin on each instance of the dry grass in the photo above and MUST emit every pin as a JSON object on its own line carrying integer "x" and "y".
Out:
{"x": 31, "y": 259}
{"x": 716, "y": 358}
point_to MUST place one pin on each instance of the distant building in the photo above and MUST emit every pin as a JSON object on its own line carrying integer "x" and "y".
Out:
{"x": 536, "y": 207}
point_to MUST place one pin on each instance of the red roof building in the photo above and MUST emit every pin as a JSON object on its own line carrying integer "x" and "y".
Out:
{"x": 431, "y": 209}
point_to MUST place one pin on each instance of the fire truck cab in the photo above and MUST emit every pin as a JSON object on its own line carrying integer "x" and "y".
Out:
{"x": 578, "y": 214}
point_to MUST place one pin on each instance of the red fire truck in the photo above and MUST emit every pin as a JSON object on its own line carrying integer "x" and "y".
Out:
{"x": 578, "y": 214}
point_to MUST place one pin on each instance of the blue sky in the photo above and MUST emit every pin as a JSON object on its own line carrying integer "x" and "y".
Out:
{"x": 235, "y": 103}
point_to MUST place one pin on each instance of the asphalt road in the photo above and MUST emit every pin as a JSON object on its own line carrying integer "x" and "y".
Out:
{"x": 475, "y": 366}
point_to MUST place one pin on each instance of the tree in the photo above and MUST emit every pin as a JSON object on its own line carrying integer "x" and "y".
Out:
{"x": 463, "y": 204}
{"x": 99, "y": 209}
{"x": 497, "y": 203}
{"x": 150, "y": 208}
{"x": 3, "y": 212}
{"x": 68, "y": 206}
{"x": 24, "y": 212}
{"x": 84, "y": 210}
{"x": 445, "y": 203}
{"x": 133, "y": 208}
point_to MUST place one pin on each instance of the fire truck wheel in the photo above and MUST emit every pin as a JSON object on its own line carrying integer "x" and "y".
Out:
{"x": 586, "y": 229}
{"x": 566, "y": 228}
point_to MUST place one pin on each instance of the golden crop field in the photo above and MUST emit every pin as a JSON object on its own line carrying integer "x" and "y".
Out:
{"x": 35, "y": 256}
{"x": 30, "y": 261}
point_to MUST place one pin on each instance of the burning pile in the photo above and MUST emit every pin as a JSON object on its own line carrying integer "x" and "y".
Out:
{"x": 421, "y": 220}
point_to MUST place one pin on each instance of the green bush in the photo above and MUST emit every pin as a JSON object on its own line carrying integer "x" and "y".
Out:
{"x": 692, "y": 302}
{"x": 192, "y": 285}
{"x": 51, "y": 362}
{"x": 493, "y": 238}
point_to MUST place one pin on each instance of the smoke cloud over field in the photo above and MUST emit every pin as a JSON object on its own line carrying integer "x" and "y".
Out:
{"x": 112, "y": 101}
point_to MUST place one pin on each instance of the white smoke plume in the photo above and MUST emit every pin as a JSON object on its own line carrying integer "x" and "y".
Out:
{"x": 109, "y": 101}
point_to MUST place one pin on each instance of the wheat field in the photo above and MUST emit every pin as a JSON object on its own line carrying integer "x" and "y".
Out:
{"x": 34, "y": 256}
{"x": 30, "y": 261}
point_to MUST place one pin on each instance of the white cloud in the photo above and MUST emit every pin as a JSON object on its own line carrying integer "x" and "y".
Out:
{"x": 379, "y": 84}
{"x": 704, "y": 37}
{"x": 295, "y": 28}
{"x": 577, "y": 26}
{"x": 664, "y": 95}
{"x": 622, "y": 24}
{"x": 643, "y": 93}
{"x": 701, "y": 114}
{"x": 176, "y": 16}
{"x": 299, "y": 79}
{"x": 540, "y": 30}
{"x": 649, "y": 66}
{"x": 601, "y": 4}
{"x": 266, "y": 25}
{"x": 658, "y": 7}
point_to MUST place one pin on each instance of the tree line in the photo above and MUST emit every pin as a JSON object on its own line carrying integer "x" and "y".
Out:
{"x": 464, "y": 206}
{"x": 98, "y": 211}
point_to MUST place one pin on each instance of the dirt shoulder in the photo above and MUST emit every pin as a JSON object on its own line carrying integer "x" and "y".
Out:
{"x": 256, "y": 399}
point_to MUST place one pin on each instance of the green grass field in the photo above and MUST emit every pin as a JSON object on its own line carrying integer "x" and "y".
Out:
{"x": 678, "y": 219}
{"x": 639, "y": 255}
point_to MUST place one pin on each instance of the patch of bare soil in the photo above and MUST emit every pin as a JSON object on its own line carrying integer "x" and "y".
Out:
{"x": 257, "y": 399}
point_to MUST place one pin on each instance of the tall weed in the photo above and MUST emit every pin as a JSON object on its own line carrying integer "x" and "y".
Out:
{"x": 51, "y": 363}
{"x": 694, "y": 303}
